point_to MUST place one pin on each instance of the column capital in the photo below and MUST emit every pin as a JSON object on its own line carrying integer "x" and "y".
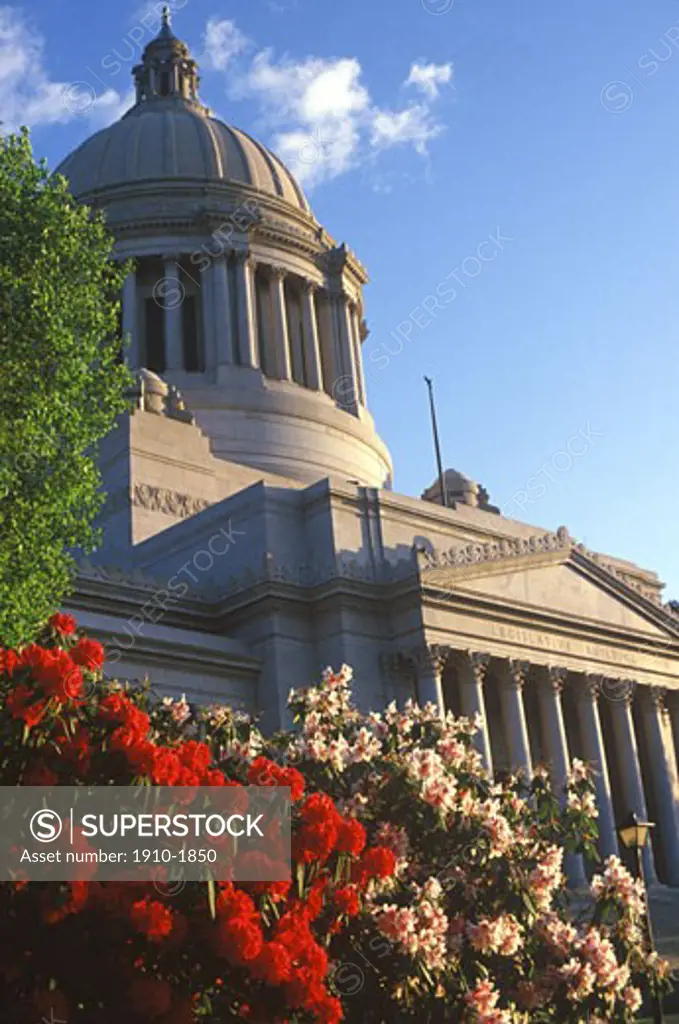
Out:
{"x": 554, "y": 677}
{"x": 586, "y": 687}
{"x": 654, "y": 697}
{"x": 278, "y": 273}
{"x": 478, "y": 662}
{"x": 430, "y": 656}
{"x": 310, "y": 287}
{"x": 618, "y": 691}
{"x": 517, "y": 672}
{"x": 245, "y": 257}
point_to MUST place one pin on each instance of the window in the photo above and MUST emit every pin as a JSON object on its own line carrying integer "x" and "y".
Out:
{"x": 154, "y": 317}
{"x": 165, "y": 83}
{"x": 193, "y": 354}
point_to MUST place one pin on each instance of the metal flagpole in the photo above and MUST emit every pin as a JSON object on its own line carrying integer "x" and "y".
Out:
{"x": 437, "y": 444}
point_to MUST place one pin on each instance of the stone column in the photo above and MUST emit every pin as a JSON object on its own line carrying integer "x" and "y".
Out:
{"x": 223, "y": 336}
{"x": 430, "y": 662}
{"x": 345, "y": 387}
{"x": 358, "y": 353}
{"x": 629, "y": 768}
{"x": 312, "y": 348}
{"x": 587, "y": 708}
{"x": 173, "y": 297}
{"x": 551, "y": 682}
{"x": 280, "y": 324}
{"x": 654, "y": 720}
{"x": 672, "y": 705}
{"x": 131, "y": 321}
{"x": 512, "y": 678}
{"x": 247, "y": 333}
{"x": 472, "y": 668}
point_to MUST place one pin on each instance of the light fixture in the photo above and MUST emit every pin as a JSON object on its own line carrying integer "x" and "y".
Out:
{"x": 634, "y": 832}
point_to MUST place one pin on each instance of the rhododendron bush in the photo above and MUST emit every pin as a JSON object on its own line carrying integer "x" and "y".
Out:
{"x": 420, "y": 888}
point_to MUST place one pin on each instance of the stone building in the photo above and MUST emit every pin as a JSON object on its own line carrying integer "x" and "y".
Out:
{"x": 251, "y": 532}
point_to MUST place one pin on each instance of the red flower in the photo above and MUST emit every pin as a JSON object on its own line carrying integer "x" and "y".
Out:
{"x": 239, "y": 939}
{"x": 376, "y": 862}
{"x": 8, "y": 661}
{"x": 89, "y": 654}
{"x": 76, "y": 749}
{"x": 64, "y": 624}
{"x": 166, "y": 767}
{"x": 55, "y": 672}
{"x": 351, "y": 837}
{"x": 152, "y": 918}
{"x": 263, "y": 772}
{"x": 197, "y": 757}
{"x": 21, "y": 703}
{"x": 318, "y": 835}
{"x": 295, "y": 780}
{"x": 346, "y": 900}
{"x": 149, "y": 997}
{"x": 273, "y": 964}
{"x": 232, "y": 902}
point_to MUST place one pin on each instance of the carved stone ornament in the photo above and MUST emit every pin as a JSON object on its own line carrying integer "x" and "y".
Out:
{"x": 518, "y": 671}
{"x": 493, "y": 551}
{"x": 169, "y": 503}
{"x": 556, "y": 676}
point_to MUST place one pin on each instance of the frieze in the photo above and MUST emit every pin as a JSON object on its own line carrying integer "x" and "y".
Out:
{"x": 167, "y": 502}
{"x": 495, "y": 551}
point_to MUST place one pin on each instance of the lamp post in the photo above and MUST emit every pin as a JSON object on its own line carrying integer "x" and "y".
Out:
{"x": 633, "y": 833}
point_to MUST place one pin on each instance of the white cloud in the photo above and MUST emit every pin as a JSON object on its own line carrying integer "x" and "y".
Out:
{"x": 223, "y": 41}
{"x": 322, "y": 116}
{"x": 27, "y": 94}
{"x": 428, "y": 78}
{"x": 414, "y": 125}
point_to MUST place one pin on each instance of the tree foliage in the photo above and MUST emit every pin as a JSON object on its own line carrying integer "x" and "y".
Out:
{"x": 61, "y": 382}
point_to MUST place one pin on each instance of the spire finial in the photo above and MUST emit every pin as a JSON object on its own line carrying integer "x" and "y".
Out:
{"x": 165, "y": 15}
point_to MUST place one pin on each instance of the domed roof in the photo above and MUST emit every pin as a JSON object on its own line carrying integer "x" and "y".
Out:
{"x": 170, "y": 135}
{"x": 169, "y": 140}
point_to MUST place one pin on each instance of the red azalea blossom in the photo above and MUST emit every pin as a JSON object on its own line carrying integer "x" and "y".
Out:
{"x": 21, "y": 703}
{"x": 351, "y": 837}
{"x": 376, "y": 862}
{"x": 64, "y": 624}
{"x": 88, "y": 653}
{"x": 346, "y": 900}
{"x": 152, "y": 918}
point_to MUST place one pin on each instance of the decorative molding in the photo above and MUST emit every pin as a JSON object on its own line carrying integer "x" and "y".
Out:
{"x": 495, "y": 551}
{"x": 650, "y": 593}
{"x": 556, "y": 677}
{"x": 478, "y": 662}
{"x": 168, "y": 502}
{"x": 518, "y": 672}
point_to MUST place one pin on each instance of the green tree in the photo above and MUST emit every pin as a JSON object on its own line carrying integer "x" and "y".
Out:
{"x": 62, "y": 384}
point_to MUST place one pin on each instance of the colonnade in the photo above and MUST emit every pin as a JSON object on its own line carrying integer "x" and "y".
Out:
{"x": 248, "y": 314}
{"x": 543, "y": 713}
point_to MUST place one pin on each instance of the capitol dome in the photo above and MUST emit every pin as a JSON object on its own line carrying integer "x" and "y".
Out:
{"x": 239, "y": 298}
{"x": 168, "y": 141}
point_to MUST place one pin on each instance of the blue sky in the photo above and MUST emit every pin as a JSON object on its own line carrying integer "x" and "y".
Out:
{"x": 422, "y": 128}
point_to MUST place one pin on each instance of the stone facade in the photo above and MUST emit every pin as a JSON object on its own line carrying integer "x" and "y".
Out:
{"x": 251, "y": 537}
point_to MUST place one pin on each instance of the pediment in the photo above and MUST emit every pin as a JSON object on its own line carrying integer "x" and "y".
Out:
{"x": 559, "y": 580}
